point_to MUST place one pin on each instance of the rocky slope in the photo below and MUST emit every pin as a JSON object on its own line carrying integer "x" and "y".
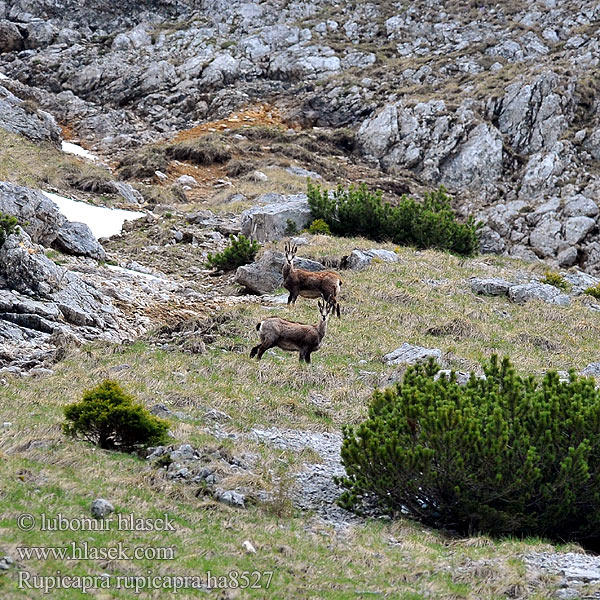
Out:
{"x": 496, "y": 101}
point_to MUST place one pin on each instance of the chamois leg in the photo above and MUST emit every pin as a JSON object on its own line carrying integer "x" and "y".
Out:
{"x": 262, "y": 348}
{"x": 292, "y": 298}
{"x": 337, "y": 309}
{"x": 304, "y": 356}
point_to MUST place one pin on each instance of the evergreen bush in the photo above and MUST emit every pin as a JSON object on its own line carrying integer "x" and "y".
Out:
{"x": 360, "y": 212}
{"x": 319, "y": 226}
{"x": 240, "y": 251}
{"x": 501, "y": 455}
{"x": 110, "y": 418}
{"x": 8, "y": 224}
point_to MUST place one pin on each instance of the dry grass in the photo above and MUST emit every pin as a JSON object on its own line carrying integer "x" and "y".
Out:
{"x": 35, "y": 165}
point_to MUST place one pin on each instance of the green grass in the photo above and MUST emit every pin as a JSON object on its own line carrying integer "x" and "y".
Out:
{"x": 423, "y": 299}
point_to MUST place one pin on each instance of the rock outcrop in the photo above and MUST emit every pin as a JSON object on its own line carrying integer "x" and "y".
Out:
{"x": 45, "y": 224}
{"x": 281, "y": 216}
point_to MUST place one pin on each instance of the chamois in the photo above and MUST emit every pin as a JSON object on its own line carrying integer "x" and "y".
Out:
{"x": 317, "y": 284}
{"x": 287, "y": 335}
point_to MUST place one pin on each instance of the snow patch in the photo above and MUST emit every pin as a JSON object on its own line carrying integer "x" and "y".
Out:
{"x": 133, "y": 273}
{"x": 3, "y": 77}
{"x": 104, "y": 222}
{"x": 71, "y": 148}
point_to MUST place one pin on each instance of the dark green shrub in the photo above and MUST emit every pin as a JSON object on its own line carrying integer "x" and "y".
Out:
{"x": 319, "y": 226}
{"x": 8, "y": 224}
{"x": 109, "y": 417}
{"x": 359, "y": 212}
{"x": 290, "y": 227}
{"x": 504, "y": 455}
{"x": 240, "y": 251}
{"x": 556, "y": 280}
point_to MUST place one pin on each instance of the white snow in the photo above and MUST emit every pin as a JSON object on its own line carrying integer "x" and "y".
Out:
{"x": 104, "y": 222}
{"x": 134, "y": 273}
{"x": 71, "y": 148}
{"x": 3, "y": 76}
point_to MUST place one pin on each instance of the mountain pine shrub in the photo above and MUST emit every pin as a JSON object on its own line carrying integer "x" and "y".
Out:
{"x": 360, "y": 212}
{"x": 240, "y": 251}
{"x": 110, "y": 418}
{"x": 8, "y": 224}
{"x": 508, "y": 455}
{"x": 319, "y": 226}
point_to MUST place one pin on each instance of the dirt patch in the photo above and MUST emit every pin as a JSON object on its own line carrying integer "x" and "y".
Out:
{"x": 261, "y": 114}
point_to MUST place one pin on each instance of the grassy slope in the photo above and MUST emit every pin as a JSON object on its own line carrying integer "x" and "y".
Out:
{"x": 383, "y": 307}
{"x": 37, "y": 165}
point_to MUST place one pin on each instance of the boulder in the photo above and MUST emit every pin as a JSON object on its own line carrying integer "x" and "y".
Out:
{"x": 264, "y": 275}
{"x": 592, "y": 370}
{"x": 360, "y": 259}
{"x": 377, "y": 134}
{"x": 36, "y": 213}
{"x": 45, "y": 224}
{"x": 580, "y": 206}
{"x": 478, "y": 161}
{"x": 534, "y": 114}
{"x": 490, "y": 241}
{"x": 11, "y": 39}
{"x": 546, "y": 237}
{"x": 576, "y": 228}
{"x": 408, "y": 354}
{"x": 272, "y": 221}
{"x": 19, "y": 117}
{"x": 101, "y": 508}
{"x": 538, "y": 291}
{"x": 127, "y": 192}
{"x": 567, "y": 257}
{"x": 78, "y": 239}
{"x": 580, "y": 281}
{"x": 492, "y": 286}
{"x": 26, "y": 269}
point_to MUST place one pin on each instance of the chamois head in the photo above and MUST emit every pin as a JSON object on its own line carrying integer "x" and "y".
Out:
{"x": 326, "y": 308}
{"x": 290, "y": 253}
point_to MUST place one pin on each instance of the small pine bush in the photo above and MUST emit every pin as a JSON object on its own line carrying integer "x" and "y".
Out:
{"x": 593, "y": 291}
{"x": 290, "y": 227}
{"x": 110, "y": 418}
{"x": 240, "y": 251}
{"x": 556, "y": 280}
{"x": 8, "y": 225}
{"x": 508, "y": 455}
{"x": 359, "y": 212}
{"x": 319, "y": 226}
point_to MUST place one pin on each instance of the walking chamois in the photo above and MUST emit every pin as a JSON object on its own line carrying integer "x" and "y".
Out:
{"x": 287, "y": 335}
{"x": 317, "y": 284}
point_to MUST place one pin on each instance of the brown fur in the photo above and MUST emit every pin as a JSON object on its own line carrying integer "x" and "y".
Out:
{"x": 291, "y": 336}
{"x": 309, "y": 284}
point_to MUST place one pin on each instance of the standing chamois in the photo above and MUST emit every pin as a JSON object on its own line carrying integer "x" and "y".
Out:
{"x": 287, "y": 335}
{"x": 317, "y": 284}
